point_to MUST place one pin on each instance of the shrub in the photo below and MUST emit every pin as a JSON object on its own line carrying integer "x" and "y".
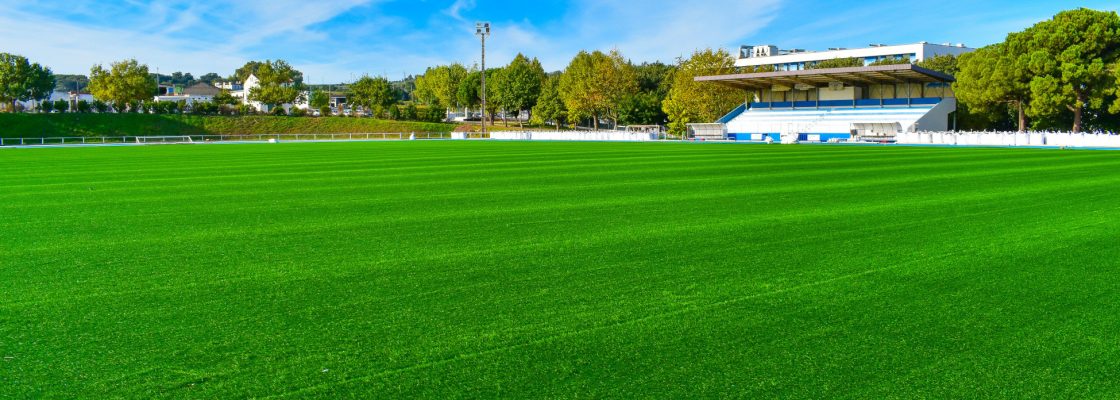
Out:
{"x": 83, "y": 106}
{"x": 410, "y": 113}
{"x": 325, "y": 111}
{"x": 298, "y": 112}
{"x": 46, "y": 106}
{"x": 394, "y": 112}
{"x": 101, "y": 106}
{"x": 62, "y": 105}
{"x": 278, "y": 110}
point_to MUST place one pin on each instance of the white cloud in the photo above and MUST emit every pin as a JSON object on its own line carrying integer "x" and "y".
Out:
{"x": 176, "y": 35}
{"x": 202, "y": 37}
{"x": 456, "y": 9}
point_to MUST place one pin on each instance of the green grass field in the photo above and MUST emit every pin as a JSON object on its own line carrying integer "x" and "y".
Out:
{"x": 623, "y": 270}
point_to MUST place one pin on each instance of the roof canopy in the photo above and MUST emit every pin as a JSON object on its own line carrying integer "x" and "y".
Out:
{"x": 879, "y": 74}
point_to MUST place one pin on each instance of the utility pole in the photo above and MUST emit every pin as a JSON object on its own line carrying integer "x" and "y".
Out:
{"x": 482, "y": 29}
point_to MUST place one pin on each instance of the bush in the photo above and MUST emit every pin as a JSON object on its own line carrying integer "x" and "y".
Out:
{"x": 62, "y": 105}
{"x": 298, "y": 112}
{"x": 394, "y": 112}
{"x": 245, "y": 109}
{"x": 325, "y": 111}
{"x": 83, "y": 106}
{"x": 278, "y": 111}
{"x": 101, "y": 106}
{"x": 46, "y": 106}
{"x": 410, "y": 113}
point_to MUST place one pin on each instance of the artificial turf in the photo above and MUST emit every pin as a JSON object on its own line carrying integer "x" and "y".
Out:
{"x": 623, "y": 270}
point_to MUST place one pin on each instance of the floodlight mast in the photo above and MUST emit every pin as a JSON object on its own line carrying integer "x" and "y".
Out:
{"x": 482, "y": 29}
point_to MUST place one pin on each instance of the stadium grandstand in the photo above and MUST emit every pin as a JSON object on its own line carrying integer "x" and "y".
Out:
{"x": 871, "y": 102}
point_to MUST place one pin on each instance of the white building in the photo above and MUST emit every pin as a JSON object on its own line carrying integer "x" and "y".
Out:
{"x": 799, "y": 59}
{"x": 253, "y": 82}
{"x": 851, "y": 103}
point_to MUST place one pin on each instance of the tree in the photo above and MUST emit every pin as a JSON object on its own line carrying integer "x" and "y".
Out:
{"x": 66, "y": 83}
{"x": 278, "y": 84}
{"x": 423, "y": 92}
{"x": 945, "y": 63}
{"x": 493, "y": 99}
{"x": 644, "y": 107}
{"x": 993, "y": 77}
{"x": 890, "y": 61}
{"x": 689, "y": 101}
{"x": 210, "y": 78}
{"x": 594, "y": 84}
{"x": 1071, "y": 59}
{"x": 123, "y": 83}
{"x": 440, "y": 85}
{"x": 254, "y": 67}
{"x": 372, "y": 93}
{"x": 21, "y": 80}
{"x": 520, "y": 85}
{"x": 470, "y": 90}
{"x": 319, "y": 99}
{"x": 837, "y": 63}
{"x": 224, "y": 98}
{"x": 550, "y": 105}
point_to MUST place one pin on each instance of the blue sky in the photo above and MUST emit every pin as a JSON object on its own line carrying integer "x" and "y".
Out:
{"x": 336, "y": 40}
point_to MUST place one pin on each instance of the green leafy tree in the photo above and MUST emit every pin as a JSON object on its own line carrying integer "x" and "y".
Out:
{"x": 254, "y": 68}
{"x": 210, "y": 78}
{"x": 945, "y": 63}
{"x": 83, "y": 106}
{"x": 62, "y": 105}
{"x": 372, "y": 93}
{"x": 494, "y": 77}
{"x": 689, "y": 101}
{"x": 278, "y": 84}
{"x": 520, "y": 85}
{"x": 993, "y": 78}
{"x": 550, "y": 105}
{"x": 423, "y": 92}
{"x": 440, "y": 85}
{"x": 224, "y": 98}
{"x": 21, "y": 80}
{"x": 470, "y": 91}
{"x": 124, "y": 83}
{"x": 890, "y": 61}
{"x": 837, "y": 63}
{"x": 100, "y": 106}
{"x": 1071, "y": 58}
{"x": 644, "y": 107}
{"x": 319, "y": 99}
{"x": 47, "y": 106}
{"x": 594, "y": 85}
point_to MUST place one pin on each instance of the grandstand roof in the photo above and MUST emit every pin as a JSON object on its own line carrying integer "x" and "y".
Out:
{"x": 879, "y": 74}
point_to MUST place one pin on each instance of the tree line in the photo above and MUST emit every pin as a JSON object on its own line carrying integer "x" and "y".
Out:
{"x": 1062, "y": 72}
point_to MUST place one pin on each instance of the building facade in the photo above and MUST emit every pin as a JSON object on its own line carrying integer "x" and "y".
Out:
{"x": 799, "y": 59}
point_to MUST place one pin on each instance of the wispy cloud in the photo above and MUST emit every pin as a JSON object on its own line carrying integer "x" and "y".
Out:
{"x": 456, "y": 9}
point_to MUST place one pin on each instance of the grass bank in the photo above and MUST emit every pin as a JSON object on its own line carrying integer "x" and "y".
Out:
{"x": 54, "y": 125}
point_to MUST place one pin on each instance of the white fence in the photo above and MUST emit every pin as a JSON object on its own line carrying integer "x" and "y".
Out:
{"x": 1037, "y": 139}
{"x": 593, "y": 136}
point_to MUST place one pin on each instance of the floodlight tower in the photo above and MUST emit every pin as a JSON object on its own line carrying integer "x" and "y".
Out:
{"x": 482, "y": 29}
